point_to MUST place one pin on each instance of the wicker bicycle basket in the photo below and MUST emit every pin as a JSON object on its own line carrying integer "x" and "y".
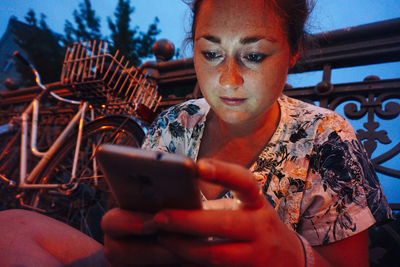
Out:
{"x": 105, "y": 80}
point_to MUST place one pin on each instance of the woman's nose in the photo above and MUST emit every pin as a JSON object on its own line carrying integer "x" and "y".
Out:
{"x": 230, "y": 76}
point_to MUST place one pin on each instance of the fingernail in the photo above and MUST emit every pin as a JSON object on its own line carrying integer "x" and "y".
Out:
{"x": 160, "y": 218}
{"x": 206, "y": 165}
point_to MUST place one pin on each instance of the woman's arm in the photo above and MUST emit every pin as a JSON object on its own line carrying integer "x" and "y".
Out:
{"x": 352, "y": 251}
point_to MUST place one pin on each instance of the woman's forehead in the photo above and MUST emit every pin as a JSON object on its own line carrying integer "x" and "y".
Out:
{"x": 252, "y": 16}
{"x": 232, "y": 9}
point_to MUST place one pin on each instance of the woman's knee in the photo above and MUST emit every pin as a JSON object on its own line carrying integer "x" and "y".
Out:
{"x": 19, "y": 224}
{"x": 14, "y": 217}
{"x": 45, "y": 236}
{"x": 15, "y": 213}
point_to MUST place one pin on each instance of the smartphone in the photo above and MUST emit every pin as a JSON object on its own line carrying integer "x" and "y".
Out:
{"x": 149, "y": 181}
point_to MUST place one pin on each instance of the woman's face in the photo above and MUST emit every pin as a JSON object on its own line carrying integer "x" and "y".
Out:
{"x": 241, "y": 57}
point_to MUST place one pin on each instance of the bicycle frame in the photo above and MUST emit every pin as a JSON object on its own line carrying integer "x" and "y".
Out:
{"x": 27, "y": 181}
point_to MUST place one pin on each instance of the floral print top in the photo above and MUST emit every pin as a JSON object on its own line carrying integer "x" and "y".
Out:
{"x": 313, "y": 170}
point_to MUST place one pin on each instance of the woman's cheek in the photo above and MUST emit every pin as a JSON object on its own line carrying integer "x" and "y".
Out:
{"x": 208, "y": 80}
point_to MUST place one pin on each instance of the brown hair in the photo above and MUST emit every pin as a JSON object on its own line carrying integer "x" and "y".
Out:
{"x": 294, "y": 14}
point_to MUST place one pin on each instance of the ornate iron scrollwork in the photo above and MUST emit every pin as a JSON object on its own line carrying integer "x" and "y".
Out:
{"x": 372, "y": 105}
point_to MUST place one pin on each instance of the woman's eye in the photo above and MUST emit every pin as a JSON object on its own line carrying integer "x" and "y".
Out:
{"x": 255, "y": 57}
{"x": 210, "y": 55}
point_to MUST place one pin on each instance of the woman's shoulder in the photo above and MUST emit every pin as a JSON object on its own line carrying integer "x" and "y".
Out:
{"x": 190, "y": 107}
{"x": 298, "y": 108}
{"x": 322, "y": 119}
{"x": 176, "y": 126}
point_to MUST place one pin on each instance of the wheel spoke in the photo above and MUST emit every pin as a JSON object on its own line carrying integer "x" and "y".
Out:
{"x": 90, "y": 177}
{"x": 83, "y": 205}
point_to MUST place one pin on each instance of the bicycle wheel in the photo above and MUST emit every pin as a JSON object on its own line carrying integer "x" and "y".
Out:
{"x": 83, "y": 205}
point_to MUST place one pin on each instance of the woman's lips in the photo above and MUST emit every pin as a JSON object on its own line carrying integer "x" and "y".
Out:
{"x": 232, "y": 101}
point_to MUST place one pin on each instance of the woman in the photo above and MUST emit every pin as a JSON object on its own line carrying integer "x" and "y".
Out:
{"x": 317, "y": 189}
{"x": 305, "y": 194}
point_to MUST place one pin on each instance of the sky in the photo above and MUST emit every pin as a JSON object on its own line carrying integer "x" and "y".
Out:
{"x": 174, "y": 17}
{"x": 174, "y": 14}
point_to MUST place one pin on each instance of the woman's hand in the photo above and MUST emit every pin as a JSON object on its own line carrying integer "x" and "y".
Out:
{"x": 129, "y": 238}
{"x": 249, "y": 235}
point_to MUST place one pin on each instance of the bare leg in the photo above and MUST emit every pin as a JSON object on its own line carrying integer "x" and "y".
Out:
{"x": 31, "y": 239}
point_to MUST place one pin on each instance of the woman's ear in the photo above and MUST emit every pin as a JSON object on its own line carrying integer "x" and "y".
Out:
{"x": 293, "y": 59}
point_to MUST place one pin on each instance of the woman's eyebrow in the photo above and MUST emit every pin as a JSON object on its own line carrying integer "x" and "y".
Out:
{"x": 210, "y": 38}
{"x": 254, "y": 39}
{"x": 244, "y": 41}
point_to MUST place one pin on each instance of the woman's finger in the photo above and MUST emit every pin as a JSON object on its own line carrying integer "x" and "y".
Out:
{"x": 228, "y": 224}
{"x": 232, "y": 177}
{"x": 208, "y": 253}
{"x": 118, "y": 222}
{"x": 137, "y": 251}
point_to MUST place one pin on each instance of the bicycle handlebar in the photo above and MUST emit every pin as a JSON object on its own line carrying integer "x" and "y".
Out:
{"x": 18, "y": 55}
{"x": 26, "y": 62}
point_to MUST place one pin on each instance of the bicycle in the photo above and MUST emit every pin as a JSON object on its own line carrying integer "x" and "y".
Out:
{"x": 65, "y": 182}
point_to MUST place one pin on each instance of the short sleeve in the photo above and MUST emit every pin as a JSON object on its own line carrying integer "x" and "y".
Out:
{"x": 345, "y": 197}
{"x": 178, "y": 129}
{"x": 153, "y": 140}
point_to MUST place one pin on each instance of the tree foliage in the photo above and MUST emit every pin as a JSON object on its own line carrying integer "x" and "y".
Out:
{"x": 132, "y": 43}
{"x": 87, "y": 24}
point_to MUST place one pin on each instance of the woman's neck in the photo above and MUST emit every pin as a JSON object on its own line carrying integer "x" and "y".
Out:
{"x": 240, "y": 145}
